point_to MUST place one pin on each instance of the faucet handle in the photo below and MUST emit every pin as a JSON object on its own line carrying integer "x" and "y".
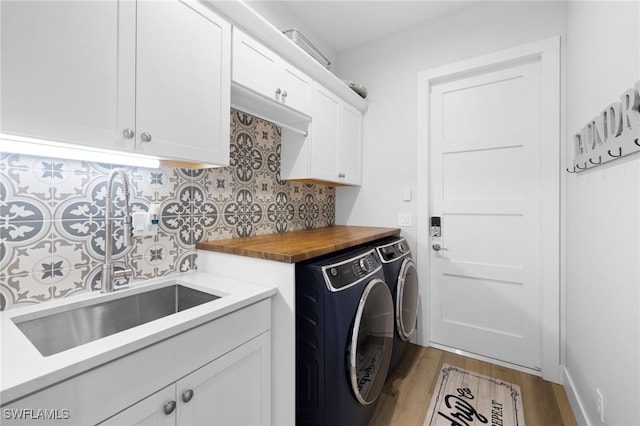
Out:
{"x": 122, "y": 274}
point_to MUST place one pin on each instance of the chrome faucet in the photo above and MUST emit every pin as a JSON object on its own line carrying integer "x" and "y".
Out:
{"x": 108, "y": 274}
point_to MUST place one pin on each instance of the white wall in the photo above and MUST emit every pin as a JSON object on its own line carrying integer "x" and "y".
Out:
{"x": 281, "y": 17}
{"x": 601, "y": 289}
{"x": 602, "y": 320}
{"x": 601, "y": 295}
{"x": 389, "y": 67}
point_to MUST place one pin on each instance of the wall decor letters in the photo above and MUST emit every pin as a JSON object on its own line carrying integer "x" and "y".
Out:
{"x": 609, "y": 135}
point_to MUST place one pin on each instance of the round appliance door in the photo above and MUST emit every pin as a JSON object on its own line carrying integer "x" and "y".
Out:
{"x": 407, "y": 299}
{"x": 371, "y": 342}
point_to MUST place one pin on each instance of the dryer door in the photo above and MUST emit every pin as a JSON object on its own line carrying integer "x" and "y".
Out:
{"x": 371, "y": 342}
{"x": 407, "y": 299}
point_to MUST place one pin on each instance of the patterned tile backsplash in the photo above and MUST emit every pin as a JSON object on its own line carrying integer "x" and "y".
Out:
{"x": 52, "y": 214}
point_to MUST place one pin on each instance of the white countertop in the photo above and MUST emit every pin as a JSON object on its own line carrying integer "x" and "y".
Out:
{"x": 24, "y": 370}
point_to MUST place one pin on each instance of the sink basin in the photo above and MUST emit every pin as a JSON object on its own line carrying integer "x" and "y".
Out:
{"x": 55, "y": 333}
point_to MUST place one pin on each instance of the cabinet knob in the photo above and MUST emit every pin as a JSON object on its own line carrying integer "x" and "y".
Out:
{"x": 187, "y": 395}
{"x": 169, "y": 407}
{"x": 284, "y": 93}
{"x": 145, "y": 137}
{"x": 278, "y": 91}
{"x": 128, "y": 133}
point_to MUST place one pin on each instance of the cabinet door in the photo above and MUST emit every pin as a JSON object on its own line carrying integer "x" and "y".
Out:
{"x": 66, "y": 73}
{"x": 296, "y": 88}
{"x": 232, "y": 390}
{"x": 350, "y": 145}
{"x": 324, "y": 134}
{"x": 148, "y": 412}
{"x": 258, "y": 68}
{"x": 183, "y": 82}
{"x": 254, "y": 65}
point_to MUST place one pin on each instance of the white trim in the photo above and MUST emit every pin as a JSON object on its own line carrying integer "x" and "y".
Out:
{"x": 548, "y": 53}
{"x": 574, "y": 400}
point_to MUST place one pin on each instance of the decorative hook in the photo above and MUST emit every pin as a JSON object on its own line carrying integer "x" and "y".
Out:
{"x": 619, "y": 153}
{"x": 582, "y": 168}
{"x": 572, "y": 171}
{"x": 599, "y": 160}
{"x": 636, "y": 142}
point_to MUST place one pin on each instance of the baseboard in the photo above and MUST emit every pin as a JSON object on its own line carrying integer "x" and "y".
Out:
{"x": 574, "y": 400}
{"x": 486, "y": 359}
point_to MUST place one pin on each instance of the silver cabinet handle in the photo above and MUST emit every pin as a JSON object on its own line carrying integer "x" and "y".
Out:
{"x": 169, "y": 407}
{"x": 438, "y": 247}
{"x": 341, "y": 175}
{"x": 187, "y": 395}
{"x": 128, "y": 133}
{"x": 145, "y": 137}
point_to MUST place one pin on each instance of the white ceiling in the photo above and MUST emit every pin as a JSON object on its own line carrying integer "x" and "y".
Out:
{"x": 343, "y": 25}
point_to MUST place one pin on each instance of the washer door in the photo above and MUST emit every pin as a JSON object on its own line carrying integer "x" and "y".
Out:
{"x": 371, "y": 342}
{"x": 407, "y": 299}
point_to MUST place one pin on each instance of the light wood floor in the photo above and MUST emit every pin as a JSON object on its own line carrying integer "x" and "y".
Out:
{"x": 406, "y": 395}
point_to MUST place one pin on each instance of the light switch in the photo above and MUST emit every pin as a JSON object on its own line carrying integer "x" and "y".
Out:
{"x": 406, "y": 193}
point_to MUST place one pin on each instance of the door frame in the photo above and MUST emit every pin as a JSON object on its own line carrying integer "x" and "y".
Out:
{"x": 547, "y": 52}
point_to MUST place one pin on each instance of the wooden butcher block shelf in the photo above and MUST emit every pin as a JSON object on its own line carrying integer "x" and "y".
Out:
{"x": 296, "y": 246}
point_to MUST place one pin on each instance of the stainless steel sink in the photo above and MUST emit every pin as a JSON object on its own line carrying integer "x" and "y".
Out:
{"x": 55, "y": 333}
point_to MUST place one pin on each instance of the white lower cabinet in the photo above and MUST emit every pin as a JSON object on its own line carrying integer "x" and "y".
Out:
{"x": 147, "y": 411}
{"x": 231, "y": 390}
{"x": 217, "y": 373}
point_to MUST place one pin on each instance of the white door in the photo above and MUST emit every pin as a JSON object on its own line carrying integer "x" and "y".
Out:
{"x": 485, "y": 186}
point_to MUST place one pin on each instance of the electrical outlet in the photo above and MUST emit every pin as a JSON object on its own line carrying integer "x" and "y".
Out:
{"x": 143, "y": 224}
{"x": 600, "y": 404}
{"x": 404, "y": 219}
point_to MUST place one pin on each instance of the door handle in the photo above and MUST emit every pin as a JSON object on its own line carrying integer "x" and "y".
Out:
{"x": 438, "y": 247}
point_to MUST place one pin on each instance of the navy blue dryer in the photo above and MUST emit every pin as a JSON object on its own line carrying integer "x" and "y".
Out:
{"x": 401, "y": 275}
{"x": 344, "y": 338}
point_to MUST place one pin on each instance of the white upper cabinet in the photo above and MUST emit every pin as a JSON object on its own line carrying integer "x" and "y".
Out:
{"x": 258, "y": 68}
{"x": 61, "y": 67}
{"x": 324, "y": 136}
{"x": 148, "y": 77}
{"x": 182, "y": 82}
{"x": 331, "y": 153}
{"x": 350, "y": 145}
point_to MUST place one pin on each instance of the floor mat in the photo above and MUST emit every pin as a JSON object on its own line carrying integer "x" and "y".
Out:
{"x": 465, "y": 398}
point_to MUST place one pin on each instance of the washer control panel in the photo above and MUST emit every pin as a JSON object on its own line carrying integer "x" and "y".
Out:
{"x": 394, "y": 250}
{"x": 343, "y": 274}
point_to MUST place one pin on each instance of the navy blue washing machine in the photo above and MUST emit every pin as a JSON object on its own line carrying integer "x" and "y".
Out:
{"x": 401, "y": 275}
{"x": 344, "y": 338}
